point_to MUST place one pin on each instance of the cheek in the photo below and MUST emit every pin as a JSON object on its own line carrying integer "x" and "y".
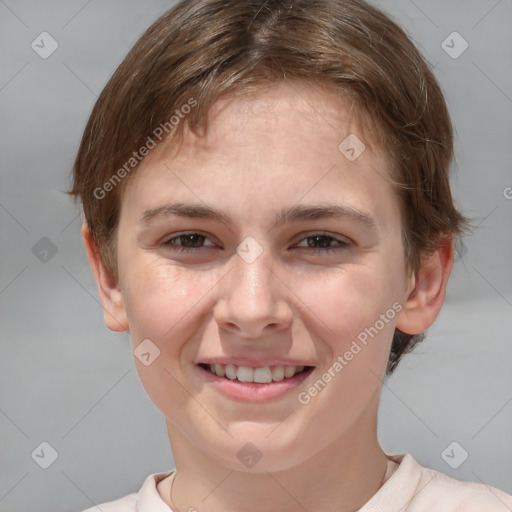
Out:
{"x": 354, "y": 337}
{"x": 357, "y": 308}
{"x": 345, "y": 303}
{"x": 160, "y": 299}
{"x": 163, "y": 304}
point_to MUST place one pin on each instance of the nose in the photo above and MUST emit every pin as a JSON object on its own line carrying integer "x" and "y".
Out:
{"x": 254, "y": 301}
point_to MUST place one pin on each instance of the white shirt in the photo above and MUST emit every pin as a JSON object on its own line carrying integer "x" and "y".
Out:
{"x": 411, "y": 488}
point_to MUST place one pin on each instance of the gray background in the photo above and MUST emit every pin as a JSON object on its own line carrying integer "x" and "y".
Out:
{"x": 67, "y": 380}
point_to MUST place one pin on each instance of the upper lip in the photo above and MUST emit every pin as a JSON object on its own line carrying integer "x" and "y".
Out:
{"x": 253, "y": 362}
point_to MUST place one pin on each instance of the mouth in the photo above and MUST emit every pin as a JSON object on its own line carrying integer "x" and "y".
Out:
{"x": 262, "y": 375}
{"x": 250, "y": 384}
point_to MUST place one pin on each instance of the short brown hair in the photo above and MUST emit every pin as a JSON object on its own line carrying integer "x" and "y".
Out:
{"x": 205, "y": 49}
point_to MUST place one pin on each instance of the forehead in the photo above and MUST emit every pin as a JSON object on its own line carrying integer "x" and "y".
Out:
{"x": 287, "y": 142}
{"x": 293, "y": 110}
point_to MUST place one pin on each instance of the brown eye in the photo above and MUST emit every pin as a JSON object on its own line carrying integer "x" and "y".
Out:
{"x": 186, "y": 242}
{"x": 324, "y": 243}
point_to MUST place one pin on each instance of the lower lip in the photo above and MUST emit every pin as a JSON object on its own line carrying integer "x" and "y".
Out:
{"x": 254, "y": 391}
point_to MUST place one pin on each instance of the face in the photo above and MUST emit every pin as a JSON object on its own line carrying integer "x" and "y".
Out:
{"x": 229, "y": 254}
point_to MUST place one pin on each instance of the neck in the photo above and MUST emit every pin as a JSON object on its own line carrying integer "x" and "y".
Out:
{"x": 340, "y": 478}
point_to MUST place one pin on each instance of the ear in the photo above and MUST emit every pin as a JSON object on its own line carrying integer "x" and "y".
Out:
{"x": 108, "y": 288}
{"x": 427, "y": 290}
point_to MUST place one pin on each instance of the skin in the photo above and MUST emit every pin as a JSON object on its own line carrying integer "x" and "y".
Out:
{"x": 261, "y": 153}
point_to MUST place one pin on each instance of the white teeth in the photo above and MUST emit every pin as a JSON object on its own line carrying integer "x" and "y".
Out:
{"x": 245, "y": 374}
{"x": 289, "y": 371}
{"x": 219, "y": 370}
{"x": 231, "y": 371}
{"x": 262, "y": 375}
{"x": 278, "y": 373}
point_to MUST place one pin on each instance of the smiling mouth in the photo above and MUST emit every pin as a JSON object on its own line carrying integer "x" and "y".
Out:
{"x": 263, "y": 375}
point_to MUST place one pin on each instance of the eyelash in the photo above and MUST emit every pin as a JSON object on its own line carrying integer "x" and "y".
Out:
{"x": 325, "y": 250}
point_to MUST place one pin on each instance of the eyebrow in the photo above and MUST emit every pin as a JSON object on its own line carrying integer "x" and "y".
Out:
{"x": 292, "y": 214}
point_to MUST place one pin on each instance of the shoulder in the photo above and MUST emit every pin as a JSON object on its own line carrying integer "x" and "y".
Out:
{"x": 437, "y": 491}
{"x": 146, "y": 499}
{"x": 126, "y": 504}
{"x": 441, "y": 492}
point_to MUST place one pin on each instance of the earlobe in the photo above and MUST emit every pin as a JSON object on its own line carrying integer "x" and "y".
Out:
{"x": 109, "y": 292}
{"x": 423, "y": 303}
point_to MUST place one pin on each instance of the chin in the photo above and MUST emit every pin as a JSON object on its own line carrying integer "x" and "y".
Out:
{"x": 259, "y": 452}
